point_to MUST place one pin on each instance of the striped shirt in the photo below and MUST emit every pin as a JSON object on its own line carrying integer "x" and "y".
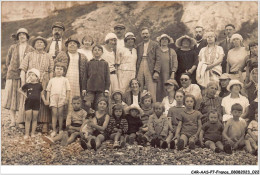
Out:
{"x": 120, "y": 123}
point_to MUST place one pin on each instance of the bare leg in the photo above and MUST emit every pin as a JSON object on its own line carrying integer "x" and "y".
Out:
{"x": 185, "y": 139}
{"x": 248, "y": 146}
{"x": 99, "y": 139}
{"x": 54, "y": 118}
{"x": 211, "y": 145}
{"x": 28, "y": 120}
{"x": 34, "y": 121}
{"x": 253, "y": 143}
{"x": 60, "y": 113}
{"x": 72, "y": 137}
{"x": 219, "y": 144}
{"x": 117, "y": 136}
{"x": 58, "y": 137}
{"x": 12, "y": 115}
{"x": 169, "y": 138}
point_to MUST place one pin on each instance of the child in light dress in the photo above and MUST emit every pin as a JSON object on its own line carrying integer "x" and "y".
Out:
{"x": 58, "y": 95}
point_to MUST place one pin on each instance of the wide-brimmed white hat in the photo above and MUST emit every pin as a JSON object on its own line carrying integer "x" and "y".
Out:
{"x": 179, "y": 41}
{"x": 133, "y": 106}
{"x": 165, "y": 36}
{"x": 233, "y": 82}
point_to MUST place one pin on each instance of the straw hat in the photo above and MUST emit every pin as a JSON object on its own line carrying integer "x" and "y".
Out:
{"x": 39, "y": 38}
{"x": 165, "y": 36}
{"x": 133, "y": 106}
{"x": 233, "y": 82}
{"x": 179, "y": 41}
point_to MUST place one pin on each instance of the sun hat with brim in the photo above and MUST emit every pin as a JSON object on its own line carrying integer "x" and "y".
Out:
{"x": 22, "y": 30}
{"x": 234, "y": 82}
{"x": 72, "y": 38}
{"x": 129, "y": 35}
{"x": 59, "y": 25}
{"x": 224, "y": 76}
{"x": 236, "y": 35}
{"x": 116, "y": 91}
{"x": 110, "y": 36}
{"x": 172, "y": 82}
{"x": 179, "y": 41}
{"x": 133, "y": 106}
{"x": 35, "y": 71}
{"x": 39, "y": 38}
{"x": 165, "y": 36}
{"x": 122, "y": 26}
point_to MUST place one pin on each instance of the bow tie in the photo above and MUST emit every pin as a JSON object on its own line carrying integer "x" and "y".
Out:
{"x": 56, "y": 39}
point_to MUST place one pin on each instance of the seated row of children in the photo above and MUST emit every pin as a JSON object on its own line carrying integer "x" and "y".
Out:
{"x": 147, "y": 125}
{"x": 129, "y": 125}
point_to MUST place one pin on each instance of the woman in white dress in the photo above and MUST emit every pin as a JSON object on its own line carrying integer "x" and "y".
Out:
{"x": 110, "y": 57}
{"x": 210, "y": 59}
{"x": 126, "y": 60}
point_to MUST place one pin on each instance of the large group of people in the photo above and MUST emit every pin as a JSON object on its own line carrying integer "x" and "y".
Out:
{"x": 148, "y": 93}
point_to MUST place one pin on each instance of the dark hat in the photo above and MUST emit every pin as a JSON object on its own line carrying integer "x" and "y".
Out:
{"x": 59, "y": 25}
{"x": 39, "y": 38}
{"x": 122, "y": 26}
{"x": 72, "y": 38}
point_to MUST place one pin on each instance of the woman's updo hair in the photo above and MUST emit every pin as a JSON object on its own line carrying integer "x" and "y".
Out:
{"x": 130, "y": 83}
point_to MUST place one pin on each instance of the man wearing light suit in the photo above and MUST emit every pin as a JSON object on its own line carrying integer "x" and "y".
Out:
{"x": 56, "y": 44}
{"x": 148, "y": 63}
{"x": 226, "y": 44}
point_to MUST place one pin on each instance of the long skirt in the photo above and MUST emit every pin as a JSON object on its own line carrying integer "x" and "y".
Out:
{"x": 45, "y": 112}
{"x": 11, "y": 96}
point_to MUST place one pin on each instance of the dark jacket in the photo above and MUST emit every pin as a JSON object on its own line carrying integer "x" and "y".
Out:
{"x": 97, "y": 76}
{"x": 202, "y": 44}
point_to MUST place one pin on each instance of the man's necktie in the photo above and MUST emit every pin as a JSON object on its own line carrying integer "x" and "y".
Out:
{"x": 56, "y": 48}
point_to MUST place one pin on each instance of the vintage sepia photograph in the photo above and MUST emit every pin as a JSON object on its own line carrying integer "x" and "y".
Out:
{"x": 129, "y": 83}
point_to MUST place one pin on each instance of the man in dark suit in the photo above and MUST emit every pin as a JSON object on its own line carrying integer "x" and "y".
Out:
{"x": 56, "y": 44}
{"x": 148, "y": 63}
{"x": 226, "y": 44}
{"x": 199, "y": 31}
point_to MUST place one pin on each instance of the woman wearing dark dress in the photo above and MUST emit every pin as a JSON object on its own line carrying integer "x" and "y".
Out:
{"x": 187, "y": 58}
